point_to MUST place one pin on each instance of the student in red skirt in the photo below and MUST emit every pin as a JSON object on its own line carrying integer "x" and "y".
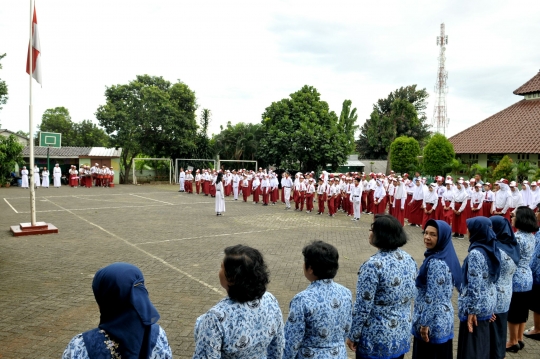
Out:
{"x": 379, "y": 198}
{"x": 400, "y": 196}
{"x": 415, "y": 206}
{"x": 430, "y": 204}
{"x": 477, "y": 199}
{"x": 459, "y": 206}
{"x": 488, "y": 200}
{"x": 448, "y": 196}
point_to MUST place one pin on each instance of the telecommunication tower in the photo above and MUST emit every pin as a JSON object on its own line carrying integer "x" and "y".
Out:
{"x": 440, "y": 121}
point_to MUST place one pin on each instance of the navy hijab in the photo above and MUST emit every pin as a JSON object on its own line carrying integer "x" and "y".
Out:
{"x": 483, "y": 239}
{"x": 506, "y": 240}
{"x": 444, "y": 249}
{"x": 126, "y": 311}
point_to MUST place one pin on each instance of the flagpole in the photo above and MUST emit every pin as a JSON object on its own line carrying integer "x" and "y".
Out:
{"x": 32, "y": 174}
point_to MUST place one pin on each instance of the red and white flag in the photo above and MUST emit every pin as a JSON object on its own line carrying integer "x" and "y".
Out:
{"x": 36, "y": 52}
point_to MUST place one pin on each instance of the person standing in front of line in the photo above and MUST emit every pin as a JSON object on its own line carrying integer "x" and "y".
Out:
{"x": 57, "y": 176}
{"x": 220, "y": 195}
{"x": 24, "y": 177}
{"x": 320, "y": 316}
{"x": 181, "y": 179}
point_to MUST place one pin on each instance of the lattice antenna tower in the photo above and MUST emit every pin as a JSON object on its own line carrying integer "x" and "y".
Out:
{"x": 440, "y": 121}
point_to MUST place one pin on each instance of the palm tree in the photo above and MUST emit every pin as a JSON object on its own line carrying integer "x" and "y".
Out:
{"x": 523, "y": 170}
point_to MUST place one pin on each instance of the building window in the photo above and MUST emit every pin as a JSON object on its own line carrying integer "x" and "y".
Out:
{"x": 473, "y": 157}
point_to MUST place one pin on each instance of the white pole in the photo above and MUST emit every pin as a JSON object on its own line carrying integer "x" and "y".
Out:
{"x": 32, "y": 191}
{"x": 170, "y": 171}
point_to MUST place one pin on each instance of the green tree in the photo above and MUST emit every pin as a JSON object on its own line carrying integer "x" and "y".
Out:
{"x": 438, "y": 155}
{"x": 84, "y": 134}
{"x": 347, "y": 120}
{"x": 404, "y": 152}
{"x": 484, "y": 172}
{"x": 524, "y": 169}
{"x": 239, "y": 142}
{"x": 59, "y": 120}
{"x": 90, "y": 135}
{"x": 3, "y": 87}
{"x": 380, "y": 130}
{"x": 504, "y": 169}
{"x": 300, "y": 132}
{"x": 10, "y": 154}
{"x": 457, "y": 166}
{"x": 150, "y": 115}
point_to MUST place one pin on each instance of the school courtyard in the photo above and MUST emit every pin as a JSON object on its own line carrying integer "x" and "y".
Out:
{"x": 175, "y": 239}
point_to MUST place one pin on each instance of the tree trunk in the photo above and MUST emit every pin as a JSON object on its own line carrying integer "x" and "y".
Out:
{"x": 388, "y": 162}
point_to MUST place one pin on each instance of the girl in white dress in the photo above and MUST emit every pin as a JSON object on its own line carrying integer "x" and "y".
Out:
{"x": 45, "y": 178}
{"x": 24, "y": 177}
{"x": 57, "y": 176}
{"x": 37, "y": 180}
{"x": 220, "y": 195}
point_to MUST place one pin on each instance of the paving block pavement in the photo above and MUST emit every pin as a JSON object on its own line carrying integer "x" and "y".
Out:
{"x": 177, "y": 241}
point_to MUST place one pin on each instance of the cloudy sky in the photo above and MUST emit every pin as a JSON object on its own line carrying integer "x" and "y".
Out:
{"x": 240, "y": 56}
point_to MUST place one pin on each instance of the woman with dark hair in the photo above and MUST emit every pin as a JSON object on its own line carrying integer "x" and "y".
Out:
{"x": 433, "y": 319}
{"x": 509, "y": 251}
{"x": 220, "y": 195}
{"x": 248, "y": 322}
{"x": 320, "y": 316}
{"x": 127, "y": 325}
{"x": 381, "y": 323}
{"x": 534, "y": 298}
{"x": 478, "y": 297}
{"x": 524, "y": 220}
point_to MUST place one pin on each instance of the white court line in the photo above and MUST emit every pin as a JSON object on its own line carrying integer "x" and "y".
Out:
{"x": 214, "y": 235}
{"x": 9, "y": 204}
{"x": 151, "y": 199}
{"x": 220, "y": 292}
{"x": 93, "y": 209}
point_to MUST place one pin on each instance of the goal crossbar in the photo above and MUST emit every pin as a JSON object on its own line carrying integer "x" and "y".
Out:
{"x": 151, "y": 159}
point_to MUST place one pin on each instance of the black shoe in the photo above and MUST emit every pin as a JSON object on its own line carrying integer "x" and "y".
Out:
{"x": 513, "y": 349}
{"x": 521, "y": 344}
{"x": 412, "y": 225}
{"x": 461, "y": 236}
{"x": 535, "y": 336}
{"x": 455, "y": 235}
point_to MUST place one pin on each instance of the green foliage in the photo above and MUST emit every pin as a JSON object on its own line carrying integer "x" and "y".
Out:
{"x": 438, "y": 155}
{"x": 3, "y": 87}
{"x": 206, "y": 117}
{"x": 457, "y": 166}
{"x": 485, "y": 172}
{"x": 391, "y": 118}
{"x": 300, "y": 132}
{"x": 84, "y": 134}
{"x": 523, "y": 170}
{"x": 238, "y": 142}
{"x": 59, "y": 120}
{"x": 10, "y": 154}
{"x": 504, "y": 169}
{"x": 347, "y": 120}
{"x": 404, "y": 152}
{"x": 152, "y": 116}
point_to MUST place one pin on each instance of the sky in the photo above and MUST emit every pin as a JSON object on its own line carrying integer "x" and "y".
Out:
{"x": 240, "y": 56}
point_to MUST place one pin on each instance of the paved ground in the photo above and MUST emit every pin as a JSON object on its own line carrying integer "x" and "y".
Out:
{"x": 174, "y": 238}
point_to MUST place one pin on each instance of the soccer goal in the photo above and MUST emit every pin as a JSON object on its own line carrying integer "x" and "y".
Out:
{"x": 191, "y": 164}
{"x": 153, "y": 173}
{"x": 237, "y": 164}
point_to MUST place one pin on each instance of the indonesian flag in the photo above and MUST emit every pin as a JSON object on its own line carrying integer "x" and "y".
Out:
{"x": 36, "y": 51}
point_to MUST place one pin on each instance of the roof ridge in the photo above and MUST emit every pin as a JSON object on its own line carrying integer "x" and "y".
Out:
{"x": 533, "y": 85}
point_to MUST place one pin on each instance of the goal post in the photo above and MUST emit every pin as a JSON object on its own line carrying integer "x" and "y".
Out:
{"x": 195, "y": 163}
{"x": 240, "y": 162}
{"x": 151, "y": 159}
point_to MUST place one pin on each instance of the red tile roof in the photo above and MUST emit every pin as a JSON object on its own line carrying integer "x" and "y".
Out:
{"x": 513, "y": 130}
{"x": 533, "y": 85}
